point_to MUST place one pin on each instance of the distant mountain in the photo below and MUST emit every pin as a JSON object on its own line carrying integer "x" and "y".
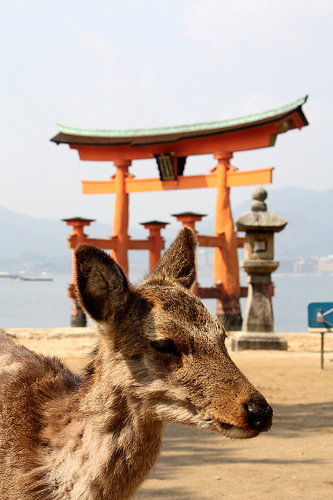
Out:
{"x": 42, "y": 242}
{"x": 21, "y": 234}
{"x": 31, "y": 244}
{"x": 309, "y": 231}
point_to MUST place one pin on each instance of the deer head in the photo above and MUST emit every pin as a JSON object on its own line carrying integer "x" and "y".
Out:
{"x": 162, "y": 346}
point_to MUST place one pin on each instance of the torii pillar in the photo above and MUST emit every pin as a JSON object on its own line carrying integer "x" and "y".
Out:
{"x": 225, "y": 259}
{"x": 156, "y": 242}
{"x": 77, "y": 236}
{"x": 121, "y": 215}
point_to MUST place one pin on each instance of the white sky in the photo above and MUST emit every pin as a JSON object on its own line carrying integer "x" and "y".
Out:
{"x": 146, "y": 63}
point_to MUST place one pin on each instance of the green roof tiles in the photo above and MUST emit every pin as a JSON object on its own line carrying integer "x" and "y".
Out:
{"x": 181, "y": 129}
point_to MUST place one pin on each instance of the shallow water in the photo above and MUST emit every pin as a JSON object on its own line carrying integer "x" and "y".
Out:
{"x": 38, "y": 304}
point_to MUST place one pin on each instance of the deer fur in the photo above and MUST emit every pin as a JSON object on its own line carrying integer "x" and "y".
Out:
{"x": 161, "y": 358}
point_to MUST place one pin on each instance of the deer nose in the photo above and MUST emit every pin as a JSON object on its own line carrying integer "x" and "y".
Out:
{"x": 259, "y": 414}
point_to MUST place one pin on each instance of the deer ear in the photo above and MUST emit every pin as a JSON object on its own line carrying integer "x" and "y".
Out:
{"x": 178, "y": 262}
{"x": 101, "y": 285}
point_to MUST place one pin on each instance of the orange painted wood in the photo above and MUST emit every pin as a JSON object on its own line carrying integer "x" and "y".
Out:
{"x": 239, "y": 178}
{"x": 150, "y": 184}
{"x": 226, "y": 269}
{"x": 209, "y": 292}
{"x": 155, "y": 240}
{"x": 121, "y": 216}
{"x": 211, "y": 241}
{"x": 240, "y": 241}
{"x": 104, "y": 243}
{"x": 214, "y": 292}
{"x": 241, "y": 140}
{"x": 249, "y": 177}
{"x": 98, "y": 187}
{"x": 140, "y": 244}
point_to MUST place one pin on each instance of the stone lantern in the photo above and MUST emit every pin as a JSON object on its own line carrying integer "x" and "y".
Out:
{"x": 259, "y": 226}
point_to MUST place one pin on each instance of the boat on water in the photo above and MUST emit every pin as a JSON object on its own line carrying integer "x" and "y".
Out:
{"x": 25, "y": 278}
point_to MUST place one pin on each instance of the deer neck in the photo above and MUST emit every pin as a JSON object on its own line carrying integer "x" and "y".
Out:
{"x": 101, "y": 441}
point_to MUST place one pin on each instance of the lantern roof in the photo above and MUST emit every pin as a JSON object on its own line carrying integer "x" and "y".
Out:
{"x": 259, "y": 219}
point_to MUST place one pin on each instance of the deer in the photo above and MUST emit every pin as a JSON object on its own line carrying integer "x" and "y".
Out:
{"x": 161, "y": 358}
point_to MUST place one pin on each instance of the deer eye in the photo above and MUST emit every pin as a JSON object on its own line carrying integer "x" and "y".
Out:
{"x": 165, "y": 346}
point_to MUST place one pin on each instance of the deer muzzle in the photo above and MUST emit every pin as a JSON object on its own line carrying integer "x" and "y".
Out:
{"x": 259, "y": 415}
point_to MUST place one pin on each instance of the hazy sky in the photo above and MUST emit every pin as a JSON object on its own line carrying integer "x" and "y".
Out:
{"x": 146, "y": 63}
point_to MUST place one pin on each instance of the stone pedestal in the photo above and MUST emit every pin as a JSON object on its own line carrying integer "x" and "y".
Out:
{"x": 258, "y": 340}
{"x": 258, "y": 315}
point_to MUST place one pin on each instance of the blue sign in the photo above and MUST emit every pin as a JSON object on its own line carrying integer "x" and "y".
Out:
{"x": 320, "y": 315}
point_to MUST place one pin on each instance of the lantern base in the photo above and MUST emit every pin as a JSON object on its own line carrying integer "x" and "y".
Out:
{"x": 242, "y": 341}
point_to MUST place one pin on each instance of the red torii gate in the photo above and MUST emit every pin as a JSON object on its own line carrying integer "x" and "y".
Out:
{"x": 170, "y": 146}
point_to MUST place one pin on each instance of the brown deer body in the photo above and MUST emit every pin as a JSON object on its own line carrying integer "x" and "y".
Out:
{"x": 161, "y": 358}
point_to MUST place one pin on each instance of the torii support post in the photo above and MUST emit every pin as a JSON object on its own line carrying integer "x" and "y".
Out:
{"x": 188, "y": 219}
{"x": 156, "y": 241}
{"x": 77, "y": 236}
{"x": 154, "y": 244}
{"x": 226, "y": 270}
{"x": 218, "y": 242}
{"x": 120, "y": 225}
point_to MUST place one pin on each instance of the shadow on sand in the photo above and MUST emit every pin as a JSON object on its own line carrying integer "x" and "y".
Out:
{"x": 186, "y": 447}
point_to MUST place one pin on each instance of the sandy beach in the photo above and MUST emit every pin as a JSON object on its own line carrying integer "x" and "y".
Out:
{"x": 293, "y": 460}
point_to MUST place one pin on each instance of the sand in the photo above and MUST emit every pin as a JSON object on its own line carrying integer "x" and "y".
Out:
{"x": 293, "y": 460}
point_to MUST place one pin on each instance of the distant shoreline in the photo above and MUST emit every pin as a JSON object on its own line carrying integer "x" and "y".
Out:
{"x": 296, "y": 275}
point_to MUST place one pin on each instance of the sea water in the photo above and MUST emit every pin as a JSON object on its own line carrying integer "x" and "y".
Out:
{"x": 35, "y": 304}
{"x": 45, "y": 304}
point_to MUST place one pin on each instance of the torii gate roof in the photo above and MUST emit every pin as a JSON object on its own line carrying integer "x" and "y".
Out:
{"x": 237, "y": 134}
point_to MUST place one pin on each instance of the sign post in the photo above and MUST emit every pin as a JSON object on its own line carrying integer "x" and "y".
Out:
{"x": 320, "y": 320}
